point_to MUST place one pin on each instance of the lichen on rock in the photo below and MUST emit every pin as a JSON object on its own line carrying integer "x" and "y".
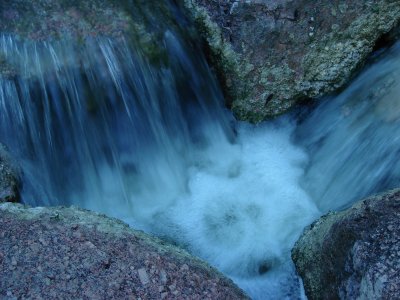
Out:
{"x": 226, "y": 63}
{"x": 270, "y": 55}
{"x": 72, "y": 253}
{"x": 353, "y": 254}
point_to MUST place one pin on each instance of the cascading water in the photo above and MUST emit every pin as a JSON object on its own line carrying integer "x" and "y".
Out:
{"x": 86, "y": 109}
{"x": 353, "y": 140}
{"x": 100, "y": 125}
{"x": 96, "y": 125}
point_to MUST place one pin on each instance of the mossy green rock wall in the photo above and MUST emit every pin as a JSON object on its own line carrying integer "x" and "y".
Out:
{"x": 271, "y": 54}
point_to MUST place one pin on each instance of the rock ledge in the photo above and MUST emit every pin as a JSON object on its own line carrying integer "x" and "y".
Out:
{"x": 70, "y": 253}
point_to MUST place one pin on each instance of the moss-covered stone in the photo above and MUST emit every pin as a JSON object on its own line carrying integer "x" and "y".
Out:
{"x": 227, "y": 64}
{"x": 353, "y": 254}
{"x": 272, "y": 54}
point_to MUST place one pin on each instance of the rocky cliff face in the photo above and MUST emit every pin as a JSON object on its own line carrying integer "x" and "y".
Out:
{"x": 354, "y": 253}
{"x": 272, "y": 54}
{"x": 70, "y": 253}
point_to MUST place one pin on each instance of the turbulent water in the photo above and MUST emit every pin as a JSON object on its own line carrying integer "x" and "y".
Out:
{"x": 353, "y": 139}
{"x": 96, "y": 124}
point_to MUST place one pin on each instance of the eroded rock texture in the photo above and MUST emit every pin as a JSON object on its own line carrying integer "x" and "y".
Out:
{"x": 354, "y": 254}
{"x": 272, "y": 54}
{"x": 69, "y": 253}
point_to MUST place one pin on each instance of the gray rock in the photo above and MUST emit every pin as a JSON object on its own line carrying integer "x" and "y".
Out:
{"x": 70, "y": 253}
{"x": 353, "y": 254}
{"x": 271, "y": 54}
{"x": 9, "y": 177}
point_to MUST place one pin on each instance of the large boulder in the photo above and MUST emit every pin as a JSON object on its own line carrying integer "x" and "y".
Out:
{"x": 272, "y": 54}
{"x": 9, "y": 177}
{"x": 353, "y": 254}
{"x": 70, "y": 253}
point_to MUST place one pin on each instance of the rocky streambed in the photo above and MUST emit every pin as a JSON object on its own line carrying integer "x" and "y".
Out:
{"x": 71, "y": 253}
{"x": 269, "y": 56}
{"x": 67, "y": 252}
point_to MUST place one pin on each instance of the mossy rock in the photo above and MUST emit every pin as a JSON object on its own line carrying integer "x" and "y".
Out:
{"x": 353, "y": 254}
{"x": 271, "y": 55}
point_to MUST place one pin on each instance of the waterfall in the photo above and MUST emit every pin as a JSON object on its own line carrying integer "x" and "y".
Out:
{"x": 99, "y": 124}
{"x": 79, "y": 108}
{"x": 353, "y": 139}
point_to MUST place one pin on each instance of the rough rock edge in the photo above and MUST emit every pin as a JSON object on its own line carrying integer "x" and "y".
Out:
{"x": 115, "y": 228}
{"x": 324, "y": 253}
{"x": 328, "y": 67}
{"x": 102, "y": 223}
{"x": 223, "y": 57}
{"x": 354, "y": 45}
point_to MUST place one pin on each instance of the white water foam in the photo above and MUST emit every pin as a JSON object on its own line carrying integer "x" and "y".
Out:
{"x": 98, "y": 123}
{"x": 242, "y": 208}
{"x": 164, "y": 159}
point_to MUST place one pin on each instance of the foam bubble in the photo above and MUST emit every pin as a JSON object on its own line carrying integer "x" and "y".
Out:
{"x": 246, "y": 210}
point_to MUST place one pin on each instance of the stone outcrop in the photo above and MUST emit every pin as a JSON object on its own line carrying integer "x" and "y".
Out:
{"x": 70, "y": 253}
{"x": 271, "y": 54}
{"x": 9, "y": 177}
{"x": 354, "y": 253}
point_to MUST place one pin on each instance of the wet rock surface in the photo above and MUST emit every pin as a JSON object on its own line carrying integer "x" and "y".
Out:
{"x": 354, "y": 253}
{"x": 9, "y": 177}
{"x": 69, "y": 253}
{"x": 272, "y": 54}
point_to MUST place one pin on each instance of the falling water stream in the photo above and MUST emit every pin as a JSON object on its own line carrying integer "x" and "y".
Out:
{"x": 98, "y": 125}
